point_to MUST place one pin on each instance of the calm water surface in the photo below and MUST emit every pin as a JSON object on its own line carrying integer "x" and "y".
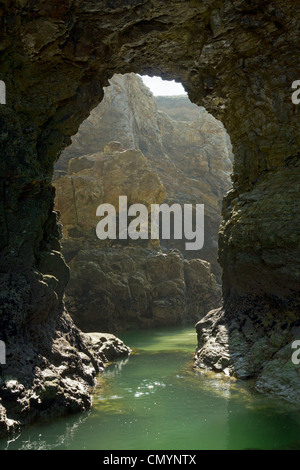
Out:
{"x": 155, "y": 400}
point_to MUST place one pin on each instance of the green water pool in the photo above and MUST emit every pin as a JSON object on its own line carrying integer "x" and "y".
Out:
{"x": 155, "y": 400}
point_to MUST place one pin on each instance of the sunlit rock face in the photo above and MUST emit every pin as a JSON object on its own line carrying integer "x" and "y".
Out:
{"x": 235, "y": 58}
{"x": 120, "y": 284}
{"x": 191, "y": 155}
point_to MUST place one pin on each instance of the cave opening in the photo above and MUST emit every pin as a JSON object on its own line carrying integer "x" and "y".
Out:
{"x": 147, "y": 142}
{"x": 235, "y": 58}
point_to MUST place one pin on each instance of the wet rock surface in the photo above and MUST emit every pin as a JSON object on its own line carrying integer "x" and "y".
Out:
{"x": 247, "y": 346}
{"x": 51, "y": 376}
{"x": 108, "y": 346}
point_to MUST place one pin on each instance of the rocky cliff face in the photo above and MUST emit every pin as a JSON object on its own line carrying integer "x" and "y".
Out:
{"x": 121, "y": 284}
{"x": 179, "y": 108}
{"x": 192, "y": 157}
{"x": 235, "y": 58}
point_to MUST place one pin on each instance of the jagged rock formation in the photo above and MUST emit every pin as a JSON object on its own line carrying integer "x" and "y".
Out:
{"x": 235, "y": 58}
{"x": 56, "y": 378}
{"x": 118, "y": 284}
{"x": 115, "y": 289}
{"x": 191, "y": 157}
{"x": 256, "y": 329}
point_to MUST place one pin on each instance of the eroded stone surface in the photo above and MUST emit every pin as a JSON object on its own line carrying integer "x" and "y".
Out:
{"x": 108, "y": 345}
{"x": 244, "y": 340}
{"x": 51, "y": 375}
{"x": 115, "y": 289}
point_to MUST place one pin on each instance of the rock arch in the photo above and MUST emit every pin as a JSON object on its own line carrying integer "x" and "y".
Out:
{"x": 236, "y": 58}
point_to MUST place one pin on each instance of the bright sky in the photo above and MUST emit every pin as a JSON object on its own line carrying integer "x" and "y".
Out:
{"x": 161, "y": 87}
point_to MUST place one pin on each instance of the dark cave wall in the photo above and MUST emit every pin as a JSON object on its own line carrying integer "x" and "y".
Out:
{"x": 53, "y": 55}
{"x": 235, "y": 58}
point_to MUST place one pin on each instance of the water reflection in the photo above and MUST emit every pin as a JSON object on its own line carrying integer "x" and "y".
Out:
{"x": 43, "y": 437}
{"x": 156, "y": 400}
{"x": 116, "y": 368}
